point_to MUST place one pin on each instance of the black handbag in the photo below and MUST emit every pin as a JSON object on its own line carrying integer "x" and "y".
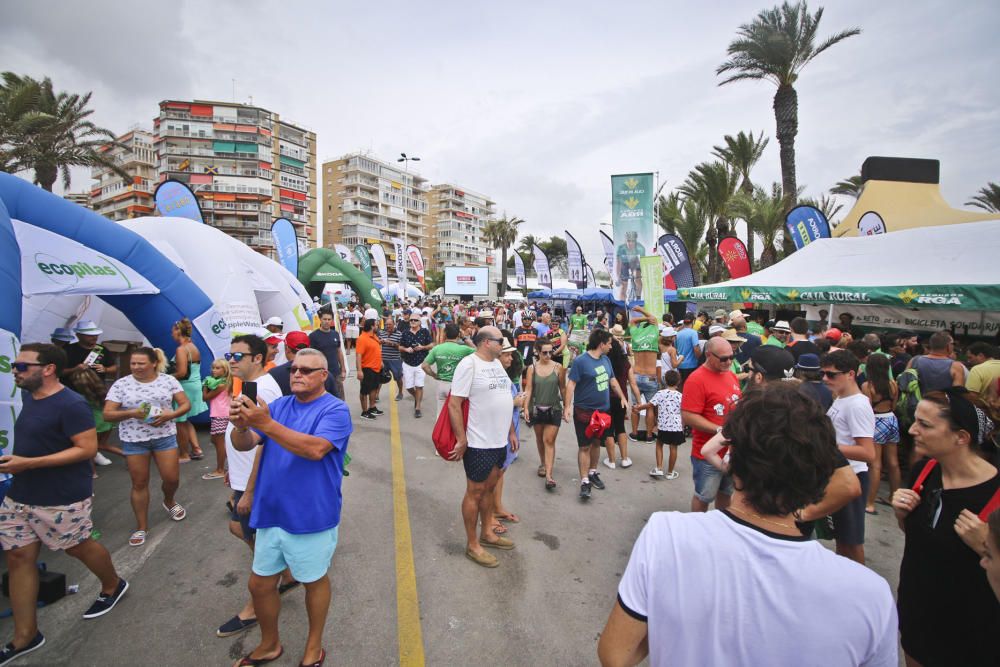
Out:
{"x": 385, "y": 375}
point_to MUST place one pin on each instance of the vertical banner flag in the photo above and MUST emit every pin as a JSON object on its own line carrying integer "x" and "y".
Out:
{"x": 591, "y": 278}
{"x": 417, "y": 260}
{"x": 378, "y": 255}
{"x": 574, "y": 261}
{"x": 519, "y": 277}
{"x": 652, "y": 285}
{"x": 400, "y": 257}
{"x": 286, "y": 246}
{"x": 342, "y": 250}
{"x": 734, "y": 256}
{"x": 609, "y": 253}
{"x": 541, "y": 266}
{"x": 175, "y": 200}
{"x": 870, "y": 224}
{"x": 364, "y": 259}
{"x": 805, "y": 224}
{"x": 676, "y": 261}
{"x": 633, "y": 231}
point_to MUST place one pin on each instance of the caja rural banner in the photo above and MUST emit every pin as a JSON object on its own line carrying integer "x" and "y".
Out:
{"x": 286, "y": 246}
{"x": 378, "y": 256}
{"x": 364, "y": 259}
{"x": 633, "y": 229}
{"x": 734, "y": 256}
{"x": 417, "y": 260}
{"x": 519, "y": 278}
{"x": 175, "y": 200}
{"x": 805, "y": 224}
{"x": 574, "y": 261}
{"x": 676, "y": 262}
{"x": 652, "y": 285}
{"x": 541, "y": 266}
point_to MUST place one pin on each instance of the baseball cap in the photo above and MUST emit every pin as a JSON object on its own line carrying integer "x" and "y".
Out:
{"x": 667, "y": 331}
{"x": 296, "y": 340}
{"x": 833, "y": 334}
{"x": 781, "y": 325}
{"x": 716, "y": 329}
{"x": 273, "y": 338}
{"x": 808, "y": 362}
{"x": 274, "y": 322}
{"x": 719, "y": 314}
{"x": 774, "y": 362}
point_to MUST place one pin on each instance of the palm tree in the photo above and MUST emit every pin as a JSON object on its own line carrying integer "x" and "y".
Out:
{"x": 765, "y": 217}
{"x": 987, "y": 199}
{"x": 827, "y": 205}
{"x": 775, "y": 47}
{"x": 690, "y": 227}
{"x": 711, "y": 185}
{"x": 742, "y": 153}
{"x": 525, "y": 245}
{"x": 669, "y": 212}
{"x": 850, "y": 187}
{"x": 501, "y": 234}
{"x": 19, "y": 118}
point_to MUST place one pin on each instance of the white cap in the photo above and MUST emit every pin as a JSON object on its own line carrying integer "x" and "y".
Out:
{"x": 667, "y": 331}
{"x": 274, "y": 322}
{"x": 715, "y": 329}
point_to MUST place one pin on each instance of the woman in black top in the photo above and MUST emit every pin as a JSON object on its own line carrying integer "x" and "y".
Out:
{"x": 947, "y": 613}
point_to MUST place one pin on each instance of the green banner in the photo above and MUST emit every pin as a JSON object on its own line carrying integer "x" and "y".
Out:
{"x": 634, "y": 231}
{"x": 652, "y": 285}
{"x": 952, "y": 297}
{"x": 364, "y": 259}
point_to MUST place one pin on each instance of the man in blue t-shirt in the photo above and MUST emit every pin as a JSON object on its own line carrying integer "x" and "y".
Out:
{"x": 297, "y": 500}
{"x": 687, "y": 344}
{"x": 326, "y": 339}
{"x": 588, "y": 386}
{"x": 49, "y": 499}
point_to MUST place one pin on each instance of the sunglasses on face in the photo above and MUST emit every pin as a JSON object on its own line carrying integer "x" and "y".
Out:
{"x": 21, "y": 366}
{"x": 545, "y": 352}
{"x": 304, "y": 370}
{"x": 832, "y": 374}
{"x": 494, "y": 340}
{"x": 235, "y": 356}
{"x": 725, "y": 359}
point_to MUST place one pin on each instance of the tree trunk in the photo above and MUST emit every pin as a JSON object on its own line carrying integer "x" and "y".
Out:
{"x": 747, "y": 188}
{"x": 786, "y": 116}
{"x": 46, "y": 175}
{"x": 712, "y": 241}
{"x": 503, "y": 272}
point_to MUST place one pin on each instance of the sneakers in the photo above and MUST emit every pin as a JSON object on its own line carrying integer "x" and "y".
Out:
{"x": 417, "y": 414}
{"x": 376, "y": 411}
{"x": 608, "y": 463}
{"x": 8, "y": 653}
{"x": 626, "y": 462}
{"x": 585, "y": 491}
{"x": 673, "y": 475}
{"x": 367, "y": 415}
{"x": 595, "y": 479}
{"x": 634, "y": 437}
{"x": 105, "y": 603}
{"x": 399, "y": 397}
{"x": 101, "y": 459}
{"x": 656, "y": 472}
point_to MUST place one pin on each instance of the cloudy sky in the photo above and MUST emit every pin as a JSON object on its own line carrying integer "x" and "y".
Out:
{"x": 537, "y": 103}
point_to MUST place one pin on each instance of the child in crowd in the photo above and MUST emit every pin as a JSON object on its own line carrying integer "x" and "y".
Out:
{"x": 90, "y": 385}
{"x": 667, "y": 403}
{"x": 216, "y": 389}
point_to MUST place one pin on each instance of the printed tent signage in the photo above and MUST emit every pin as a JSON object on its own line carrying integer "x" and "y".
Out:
{"x": 947, "y": 267}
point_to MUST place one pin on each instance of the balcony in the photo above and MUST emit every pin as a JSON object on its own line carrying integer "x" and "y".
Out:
{"x": 358, "y": 206}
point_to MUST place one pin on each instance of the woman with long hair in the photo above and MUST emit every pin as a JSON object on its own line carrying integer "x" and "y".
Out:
{"x": 882, "y": 391}
{"x": 187, "y": 370}
{"x": 544, "y": 391}
{"x": 947, "y": 613}
{"x": 143, "y": 404}
{"x": 90, "y": 385}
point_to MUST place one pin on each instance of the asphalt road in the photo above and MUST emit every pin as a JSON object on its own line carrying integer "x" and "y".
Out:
{"x": 545, "y": 604}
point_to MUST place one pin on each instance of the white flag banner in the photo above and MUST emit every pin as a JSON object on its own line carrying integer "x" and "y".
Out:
{"x": 342, "y": 250}
{"x": 574, "y": 261}
{"x": 541, "y": 266}
{"x": 519, "y": 276}
{"x": 609, "y": 252}
{"x": 417, "y": 260}
{"x": 591, "y": 278}
{"x": 378, "y": 257}
{"x": 400, "y": 251}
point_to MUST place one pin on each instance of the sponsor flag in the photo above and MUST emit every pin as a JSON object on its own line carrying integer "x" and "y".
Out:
{"x": 632, "y": 228}
{"x": 342, "y": 250}
{"x": 417, "y": 260}
{"x": 676, "y": 262}
{"x": 175, "y": 200}
{"x": 519, "y": 277}
{"x": 400, "y": 251}
{"x": 574, "y": 262}
{"x": 652, "y": 285}
{"x": 870, "y": 224}
{"x": 364, "y": 259}
{"x": 286, "y": 246}
{"x": 734, "y": 256}
{"x": 591, "y": 278}
{"x": 609, "y": 253}
{"x": 541, "y": 266}
{"x": 805, "y": 224}
{"x": 378, "y": 256}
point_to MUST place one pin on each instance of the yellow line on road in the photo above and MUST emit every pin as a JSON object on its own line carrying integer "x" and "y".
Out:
{"x": 411, "y": 643}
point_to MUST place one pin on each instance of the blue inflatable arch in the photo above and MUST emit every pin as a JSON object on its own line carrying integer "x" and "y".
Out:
{"x": 152, "y": 314}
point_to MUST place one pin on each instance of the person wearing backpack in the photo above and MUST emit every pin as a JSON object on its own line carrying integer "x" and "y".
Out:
{"x": 948, "y": 614}
{"x": 938, "y": 369}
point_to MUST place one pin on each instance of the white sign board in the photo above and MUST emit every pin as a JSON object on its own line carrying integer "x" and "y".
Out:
{"x": 466, "y": 280}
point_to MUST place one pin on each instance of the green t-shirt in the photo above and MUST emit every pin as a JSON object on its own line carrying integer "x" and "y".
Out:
{"x": 645, "y": 338}
{"x": 773, "y": 340}
{"x": 755, "y": 329}
{"x": 578, "y": 321}
{"x": 445, "y": 357}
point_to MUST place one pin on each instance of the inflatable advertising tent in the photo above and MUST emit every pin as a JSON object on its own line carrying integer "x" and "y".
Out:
{"x": 322, "y": 265}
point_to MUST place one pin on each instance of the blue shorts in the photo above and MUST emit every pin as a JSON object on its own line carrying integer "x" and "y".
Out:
{"x": 396, "y": 368}
{"x": 307, "y": 555}
{"x": 149, "y": 446}
{"x": 709, "y": 481}
{"x": 647, "y": 385}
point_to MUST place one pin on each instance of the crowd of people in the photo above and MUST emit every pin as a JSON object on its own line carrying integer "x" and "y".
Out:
{"x": 792, "y": 425}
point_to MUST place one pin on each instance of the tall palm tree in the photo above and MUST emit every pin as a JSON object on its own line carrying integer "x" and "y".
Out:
{"x": 988, "y": 198}
{"x": 826, "y": 205}
{"x": 775, "y": 47}
{"x": 669, "y": 211}
{"x": 849, "y": 187}
{"x": 501, "y": 234}
{"x": 524, "y": 246}
{"x": 711, "y": 185}
{"x": 19, "y": 118}
{"x": 742, "y": 153}
{"x": 690, "y": 227}
{"x": 765, "y": 217}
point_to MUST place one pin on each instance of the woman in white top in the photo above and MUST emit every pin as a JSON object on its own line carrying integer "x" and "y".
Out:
{"x": 669, "y": 359}
{"x": 143, "y": 403}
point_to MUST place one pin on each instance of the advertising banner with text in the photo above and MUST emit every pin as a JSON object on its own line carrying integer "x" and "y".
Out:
{"x": 633, "y": 230}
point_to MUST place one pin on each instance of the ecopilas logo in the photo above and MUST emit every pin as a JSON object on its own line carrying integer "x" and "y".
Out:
{"x": 71, "y": 272}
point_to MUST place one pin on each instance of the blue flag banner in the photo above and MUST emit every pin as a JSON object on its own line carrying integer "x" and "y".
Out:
{"x": 175, "y": 200}
{"x": 676, "y": 261}
{"x": 805, "y": 224}
{"x": 286, "y": 246}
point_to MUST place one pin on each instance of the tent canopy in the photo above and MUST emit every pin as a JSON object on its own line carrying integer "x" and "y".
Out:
{"x": 930, "y": 267}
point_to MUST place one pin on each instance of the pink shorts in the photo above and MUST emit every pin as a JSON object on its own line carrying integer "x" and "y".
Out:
{"x": 219, "y": 425}
{"x": 58, "y": 527}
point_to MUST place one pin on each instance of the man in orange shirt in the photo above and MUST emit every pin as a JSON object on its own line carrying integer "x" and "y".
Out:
{"x": 369, "y": 364}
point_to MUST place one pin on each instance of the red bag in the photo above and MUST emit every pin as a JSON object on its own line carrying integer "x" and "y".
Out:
{"x": 443, "y": 436}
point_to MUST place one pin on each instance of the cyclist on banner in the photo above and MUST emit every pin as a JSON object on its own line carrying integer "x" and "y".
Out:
{"x": 627, "y": 258}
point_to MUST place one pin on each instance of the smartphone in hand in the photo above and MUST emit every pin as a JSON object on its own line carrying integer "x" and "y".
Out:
{"x": 250, "y": 391}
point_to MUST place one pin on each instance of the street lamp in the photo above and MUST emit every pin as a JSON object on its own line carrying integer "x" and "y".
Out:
{"x": 405, "y": 159}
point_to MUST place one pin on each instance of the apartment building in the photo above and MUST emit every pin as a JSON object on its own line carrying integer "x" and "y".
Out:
{"x": 247, "y": 166}
{"x": 456, "y": 220}
{"x": 120, "y": 199}
{"x": 366, "y": 200}
{"x": 81, "y": 198}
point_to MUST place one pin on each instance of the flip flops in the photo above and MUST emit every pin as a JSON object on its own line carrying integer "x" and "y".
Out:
{"x": 137, "y": 539}
{"x": 213, "y": 475}
{"x": 177, "y": 513}
{"x": 247, "y": 661}
{"x": 318, "y": 663}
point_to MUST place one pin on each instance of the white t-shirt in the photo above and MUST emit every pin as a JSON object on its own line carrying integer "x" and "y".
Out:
{"x": 853, "y": 417}
{"x": 491, "y": 407}
{"x": 518, "y": 318}
{"x": 717, "y": 591}
{"x": 668, "y": 410}
{"x": 129, "y": 393}
{"x": 240, "y": 464}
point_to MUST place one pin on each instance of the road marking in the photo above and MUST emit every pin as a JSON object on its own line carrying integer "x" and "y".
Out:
{"x": 411, "y": 643}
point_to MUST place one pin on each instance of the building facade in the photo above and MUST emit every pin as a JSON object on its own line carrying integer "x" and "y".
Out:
{"x": 457, "y": 217}
{"x": 81, "y": 198}
{"x": 368, "y": 201}
{"x": 120, "y": 199}
{"x": 246, "y": 165}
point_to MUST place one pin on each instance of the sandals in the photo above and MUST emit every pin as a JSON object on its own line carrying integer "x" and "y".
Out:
{"x": 177, "y": 513}
{"x": 197, "y": 456}
{"x": 510, "y": 518}
{"x": 550, "y": 484}
{"x": 247, "y": 661}
{"x": 213, "y": 475}
{"x": 499, "y": 529}
{"x": 541, "y": 471}
{"x": 318, "y": 663}
{"x": 137, "y": 539}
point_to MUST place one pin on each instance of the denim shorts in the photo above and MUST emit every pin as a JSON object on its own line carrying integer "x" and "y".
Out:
{"x": 647, "y": 385}
{"x": 709, "y": 481}
{"x": 149, "y": 446}
{"x": 307, "y": 555}
{"x": 242, "y": 519}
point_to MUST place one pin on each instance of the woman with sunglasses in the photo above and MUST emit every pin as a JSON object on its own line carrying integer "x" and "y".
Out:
{"x": 544, "y": 390}
{"x": 947, "y": 613}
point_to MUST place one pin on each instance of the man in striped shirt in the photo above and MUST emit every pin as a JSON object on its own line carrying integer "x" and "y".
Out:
{"x": 389, "y": 336}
